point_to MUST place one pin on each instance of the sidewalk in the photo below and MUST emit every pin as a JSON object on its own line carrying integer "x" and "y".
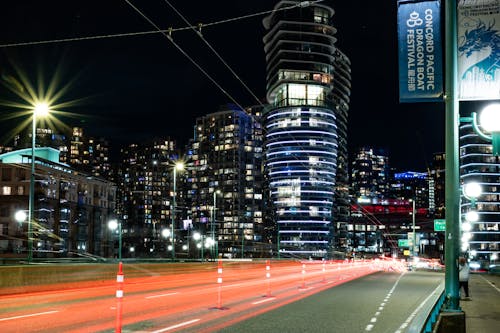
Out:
{"x": 482, "y": 311}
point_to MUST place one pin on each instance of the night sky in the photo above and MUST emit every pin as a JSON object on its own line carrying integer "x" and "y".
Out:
{"x": 137, "y": 87}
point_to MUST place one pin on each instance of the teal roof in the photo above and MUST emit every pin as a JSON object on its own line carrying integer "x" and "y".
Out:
{"x": 19, "y": 156}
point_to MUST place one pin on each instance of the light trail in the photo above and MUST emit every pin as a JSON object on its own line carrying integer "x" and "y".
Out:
{"x": 173, "y": 327}
{"x": 173, "y": 297}
{"x": 162, "y": 295}
{"x": 29, "y": 315}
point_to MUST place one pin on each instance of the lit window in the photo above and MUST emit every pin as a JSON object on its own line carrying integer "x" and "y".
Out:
{"x": 6, "y": 190}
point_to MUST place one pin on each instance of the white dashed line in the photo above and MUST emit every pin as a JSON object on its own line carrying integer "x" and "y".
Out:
{"x": 28, "y": 315}
{"x": 263, "y": 301}
{"x": 161, "y": 295}
{"x": 176, "y": 326}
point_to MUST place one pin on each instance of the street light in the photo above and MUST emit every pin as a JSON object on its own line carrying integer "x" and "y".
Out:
{"x": 197, "y": 236}
{"x": 452, "y": 176}
{"x": 216, "y": 240}
{"x": 40, "y": 109}
{"x": 166, "y": 234}
{"x": 178, "y": 166}
{"x": 489, "y": 120}
{"x": 113, "y": 225}
{"x": 414, "y": 238}
{"x": 471, "y": 191}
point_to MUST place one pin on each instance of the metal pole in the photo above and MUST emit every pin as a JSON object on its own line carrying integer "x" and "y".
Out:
{"x": 31, "y": 203}
{"x": 213, "y": 224}
{"x": 202, "y": 246}
{"x": 452, "y": 190}
{"x": 414, "y": 242}
{"x": 120, "y": 241}
{"x": 173, "y": 211}
{"x": 278, "y": 240}
{"x": 242, "y": 240}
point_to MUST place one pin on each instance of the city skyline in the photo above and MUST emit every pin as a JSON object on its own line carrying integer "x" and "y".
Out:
{"x": 129, "y": 85}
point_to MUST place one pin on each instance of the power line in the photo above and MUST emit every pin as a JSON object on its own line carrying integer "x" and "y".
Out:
{"x": 162, "y": 31}
{"x": 198, "y": 32}
{"x": 169, "y": 37}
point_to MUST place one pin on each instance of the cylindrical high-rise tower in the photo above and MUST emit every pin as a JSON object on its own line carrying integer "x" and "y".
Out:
{"x": 308, "y": 86}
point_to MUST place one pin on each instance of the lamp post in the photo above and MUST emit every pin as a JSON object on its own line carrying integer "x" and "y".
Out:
{"x": 216, "y": 242}
{"x": 452, "y": 177}
{"x": 40, "y": 109}
{"x": 197, "y": 236}
{"x": 489, "y": 120}
{"x": 178, "y": 166}
{"x": 414, "y": 238}
{"x": 113, "y": 225}
{"x": 166, "y": 234}
{"x": 471, "y": 191}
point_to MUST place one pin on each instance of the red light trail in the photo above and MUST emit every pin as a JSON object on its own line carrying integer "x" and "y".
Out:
{"x": 192, "y": 298}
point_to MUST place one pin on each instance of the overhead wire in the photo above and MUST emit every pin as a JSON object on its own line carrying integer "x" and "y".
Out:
{"x": 374, "y": 220}
{"x": 198, "y": 32}
{"x": 169, "y": 37}
{"x": 140, "y": 33}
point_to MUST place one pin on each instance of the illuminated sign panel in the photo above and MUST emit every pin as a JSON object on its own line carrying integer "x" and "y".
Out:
{"x": 479, "y": 49}
{"x": 420, "y": 56}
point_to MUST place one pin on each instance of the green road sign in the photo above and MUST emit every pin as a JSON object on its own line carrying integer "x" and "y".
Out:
{"x": 440, "y": 225}
{"x": 403, "y": 243}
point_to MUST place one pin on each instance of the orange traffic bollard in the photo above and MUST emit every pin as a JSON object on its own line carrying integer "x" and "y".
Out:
{"x": 268, "y": 277}
{"x": 219, "y": 282}
{"x": 119, "y": 297}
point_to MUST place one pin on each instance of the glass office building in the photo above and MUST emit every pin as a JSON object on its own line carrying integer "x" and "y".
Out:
{"x": 308, "y": 87}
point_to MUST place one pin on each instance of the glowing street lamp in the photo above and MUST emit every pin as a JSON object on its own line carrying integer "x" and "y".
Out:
{"x": 197, "y": 236}
{"x": 40, "y": 110}
{"x": 167, "y": 234}
{"x": 20, "y": 216}
{"x": 471, "y": 191}
{"x": 489, "y": 121}
{"x": 113, "y": 225}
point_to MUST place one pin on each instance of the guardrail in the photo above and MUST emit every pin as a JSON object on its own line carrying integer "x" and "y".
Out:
{"x": 426, "y": 317}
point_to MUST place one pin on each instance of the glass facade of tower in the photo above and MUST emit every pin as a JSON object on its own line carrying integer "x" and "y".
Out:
{"x": 308, "y": 84}
{"x": 144, "y": 196}
{"x": 370, "y": 174}
{"x": 477, "y": 164}
{"x": 225, "y": 183}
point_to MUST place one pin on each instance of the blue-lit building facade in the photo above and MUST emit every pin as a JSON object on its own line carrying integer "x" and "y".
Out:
{"x": 308, "y": 87}
{"x": 477, "y": 164}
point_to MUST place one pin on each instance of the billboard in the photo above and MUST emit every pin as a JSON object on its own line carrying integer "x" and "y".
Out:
{"x": 478, "y": 49}
{"x": 420, "y": 51}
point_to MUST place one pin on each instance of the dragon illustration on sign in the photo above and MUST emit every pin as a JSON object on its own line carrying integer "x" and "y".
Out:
{"x": 482, "y": 43}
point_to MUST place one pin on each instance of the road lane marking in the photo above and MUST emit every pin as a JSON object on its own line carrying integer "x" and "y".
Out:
{"x": 381, "y": 306}
{"x": 490, "y": 283}
{"x": 161, "y": 295}
{"x": 263, "y": 301}
{"x": 232, "y": 285}
{"x": 173, "y": 327}
{"x": 414, "y": 313}
{"x": 29, "y": 315}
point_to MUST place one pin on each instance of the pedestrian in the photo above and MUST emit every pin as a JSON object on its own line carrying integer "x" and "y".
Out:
{"x": 463, "y": 275}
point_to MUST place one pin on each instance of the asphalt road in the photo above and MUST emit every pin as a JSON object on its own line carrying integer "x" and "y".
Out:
{"x": 381, "y": 302}
{"x": 179, "y": 297}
